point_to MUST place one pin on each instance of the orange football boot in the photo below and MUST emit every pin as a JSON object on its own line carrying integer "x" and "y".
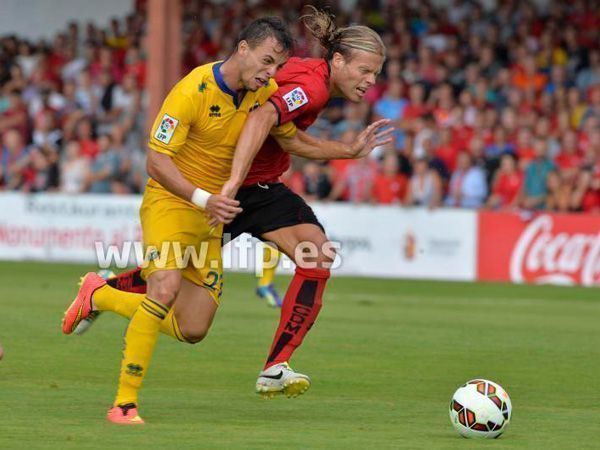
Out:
{"x": 124, "y": 415}
{"x": 82, "y": 305}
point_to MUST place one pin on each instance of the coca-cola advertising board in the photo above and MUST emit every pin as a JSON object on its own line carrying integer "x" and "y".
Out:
{"x": 543, "y": 248}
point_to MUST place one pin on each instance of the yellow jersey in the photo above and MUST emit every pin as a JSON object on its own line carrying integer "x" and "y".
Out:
{"x": 199, "y": 124}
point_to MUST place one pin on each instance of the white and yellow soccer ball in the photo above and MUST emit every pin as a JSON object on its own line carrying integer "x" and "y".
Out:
{"x": 480, "y": 409}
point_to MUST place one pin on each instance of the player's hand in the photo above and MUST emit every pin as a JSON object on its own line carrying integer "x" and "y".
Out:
{"x": 375, "y": 135}
{"x": 222, "y": 209}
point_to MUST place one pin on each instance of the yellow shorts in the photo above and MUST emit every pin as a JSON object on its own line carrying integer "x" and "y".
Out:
{"x": 177, "y": 236}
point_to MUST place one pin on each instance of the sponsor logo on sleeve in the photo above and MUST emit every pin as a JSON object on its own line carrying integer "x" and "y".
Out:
{"x": 165, "y": 130}
{"x": 295, "y": 99}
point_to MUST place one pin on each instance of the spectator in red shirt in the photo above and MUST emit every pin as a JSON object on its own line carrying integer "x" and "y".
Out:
{"x": 136, "y": 66}
{"x": 444, "y": 102}
{"x": 507, "y": 184}
{"x": 524, "y": 147}
{"x": 447, "y": 150}
{"x": 85, "y": 137}
{"x": 569, "y": 158}
{"x": 15, "y": 116}
{"x": 339, "y": 168}
{"x": 416, "y": 105}
{"x": 357, "y": 181}
{"x": 461, "y": 132}
{"x": 389, "y": 185}
{"x": 590, "y": 201}
{"x": 106, "y": 63}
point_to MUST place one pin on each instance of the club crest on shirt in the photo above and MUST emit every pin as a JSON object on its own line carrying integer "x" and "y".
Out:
{"x": 295, "y": 99}
{"x": 165, "y": 130}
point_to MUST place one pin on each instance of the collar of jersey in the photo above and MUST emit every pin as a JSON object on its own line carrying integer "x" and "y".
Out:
{"x": 221, "y": 83}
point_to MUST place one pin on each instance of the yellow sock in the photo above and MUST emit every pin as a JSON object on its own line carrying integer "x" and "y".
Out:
{"x": 140, "y": 339}
{"x": 126, "y": 304}
{"x": 270, "y": 260}
{"x": 107, "y": 298}
{"x": 170, "y": 327}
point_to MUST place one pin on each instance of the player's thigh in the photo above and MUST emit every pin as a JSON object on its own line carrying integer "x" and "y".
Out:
{"x": 205, "y": 269}
{"x": 200, "y": 291}
{"x": 177, "y": 236}
{"x": 195, "y": 310}
{"x": 306, "y": 240}
{"x": 164, "y": 285}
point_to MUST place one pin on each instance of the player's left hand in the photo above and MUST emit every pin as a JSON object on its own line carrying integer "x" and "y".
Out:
{"x": 375, "y": 135}
{"x": 228, "y": 190}
{"x": 221, "y": 209}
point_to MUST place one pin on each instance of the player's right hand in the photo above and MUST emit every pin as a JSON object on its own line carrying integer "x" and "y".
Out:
{"x": 377, "y": 134}
{"x": 222, "y": 209}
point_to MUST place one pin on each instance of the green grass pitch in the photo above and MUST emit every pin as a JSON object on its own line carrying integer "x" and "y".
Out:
{"x": 385, "y": 357}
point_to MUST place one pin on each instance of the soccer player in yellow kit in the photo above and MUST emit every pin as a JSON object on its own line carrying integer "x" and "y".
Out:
{"x": 192, "y": 144}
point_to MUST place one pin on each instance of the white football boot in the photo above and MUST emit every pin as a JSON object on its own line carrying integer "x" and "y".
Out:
{"x": 281, "y": 379}
{"x": 87, "y": 323}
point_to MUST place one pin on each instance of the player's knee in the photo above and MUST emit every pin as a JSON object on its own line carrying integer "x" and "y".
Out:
{"x": 194, "y": 334}
{"x": 165, "y": 294}
{"x": 327, "y": 255}
{"x": 319, "y": 253}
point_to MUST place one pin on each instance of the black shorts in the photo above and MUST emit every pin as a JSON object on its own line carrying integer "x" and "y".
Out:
{"x": 269, "y": 207}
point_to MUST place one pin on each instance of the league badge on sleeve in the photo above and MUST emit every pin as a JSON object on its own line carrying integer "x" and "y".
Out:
{"x": 295, "y": 99}
{"x": 165, "y": 130}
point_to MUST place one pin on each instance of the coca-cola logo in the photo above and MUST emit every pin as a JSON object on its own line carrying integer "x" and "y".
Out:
{"x": 544, "y": 255}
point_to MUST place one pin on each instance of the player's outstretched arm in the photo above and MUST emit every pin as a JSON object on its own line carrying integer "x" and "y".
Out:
{"x": 162, "y": 169}
{"x": 303, "y": 144}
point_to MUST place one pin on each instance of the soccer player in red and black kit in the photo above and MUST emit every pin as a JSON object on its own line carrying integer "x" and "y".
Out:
{"x": 272, "y": 212}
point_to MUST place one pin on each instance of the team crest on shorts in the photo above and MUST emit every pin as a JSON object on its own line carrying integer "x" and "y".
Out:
{"x": 165, "y": 130}
{"x": 295, "y": 99}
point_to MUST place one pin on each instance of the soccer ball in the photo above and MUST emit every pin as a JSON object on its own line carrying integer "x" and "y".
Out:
{"x": 106, "y": 274}
{"x": 480, "y": 409}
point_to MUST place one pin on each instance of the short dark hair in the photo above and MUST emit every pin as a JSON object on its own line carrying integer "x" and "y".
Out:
{"x": 260, "y": 29}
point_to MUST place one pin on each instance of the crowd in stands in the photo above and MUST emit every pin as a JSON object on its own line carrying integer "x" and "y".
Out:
{"x": 496, "y": 107}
